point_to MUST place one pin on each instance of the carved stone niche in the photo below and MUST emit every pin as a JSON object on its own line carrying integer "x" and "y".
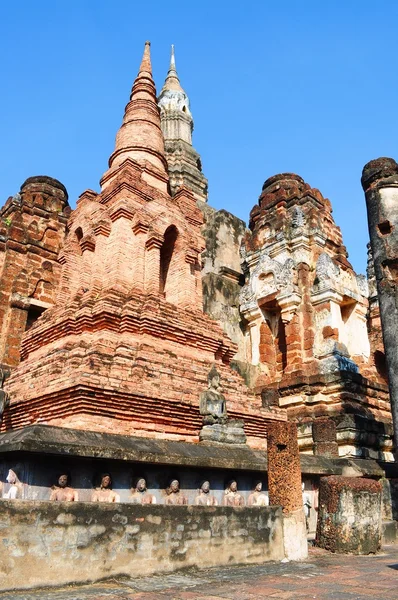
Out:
{"x": 216, "y": 425}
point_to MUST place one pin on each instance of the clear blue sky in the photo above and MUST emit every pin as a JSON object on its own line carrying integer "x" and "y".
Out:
{"x": 309, "y": 87}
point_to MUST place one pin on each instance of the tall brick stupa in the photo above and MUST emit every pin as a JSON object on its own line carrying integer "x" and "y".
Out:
{"x": 126, "y": 348}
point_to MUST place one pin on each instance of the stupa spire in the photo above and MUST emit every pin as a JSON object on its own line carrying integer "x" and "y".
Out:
{"x": 140, "y": 137}
{"x": 146, "y": 66}
{"x": 177, "y": 126}
{"x": 172, "y": 81}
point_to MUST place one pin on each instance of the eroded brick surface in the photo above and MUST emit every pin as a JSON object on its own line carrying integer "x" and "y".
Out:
{"x": 284, "y": 471}
{"x": 32, "y": 230}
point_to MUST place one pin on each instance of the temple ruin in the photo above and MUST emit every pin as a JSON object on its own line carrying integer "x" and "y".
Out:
{"x": 155, "y": 350}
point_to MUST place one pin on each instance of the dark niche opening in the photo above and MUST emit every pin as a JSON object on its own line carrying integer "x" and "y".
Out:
{"x": 34, "y": 313}
{"x": 166, "y": 254}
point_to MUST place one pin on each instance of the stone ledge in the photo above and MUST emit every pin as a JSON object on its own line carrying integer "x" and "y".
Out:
{"x": 51, "y": 440}
{"x": 71, "y": 442}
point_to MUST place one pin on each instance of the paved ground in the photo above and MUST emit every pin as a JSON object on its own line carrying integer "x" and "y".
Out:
{"x": 323, "y": 576}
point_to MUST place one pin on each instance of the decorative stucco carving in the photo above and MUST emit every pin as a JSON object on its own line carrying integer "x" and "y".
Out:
{"x": 174, "y": 100}
{"x": 298, "y": 218}
{"x": 326, "y": 269}
{"x": 268, "y": 277}
{"x": 363, "y": 286}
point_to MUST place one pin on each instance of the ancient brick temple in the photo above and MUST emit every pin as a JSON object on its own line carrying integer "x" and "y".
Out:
{"x": 309, "y": 325}
{"x": 127, "y": 348}
{"x": 119, "y": 310}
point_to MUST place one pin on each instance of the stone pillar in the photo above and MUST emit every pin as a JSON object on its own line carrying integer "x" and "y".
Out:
{"x": 349, "y": 518}
{"x": 380, "y": 183}
{"x": 324, "y": 436}
{"x": 284, "y": 485}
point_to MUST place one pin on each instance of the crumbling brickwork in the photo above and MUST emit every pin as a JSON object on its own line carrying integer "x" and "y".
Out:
{"x": 324, "y": 434}
{"x": 32, "y": 230}
{"x": 128, "y": 344}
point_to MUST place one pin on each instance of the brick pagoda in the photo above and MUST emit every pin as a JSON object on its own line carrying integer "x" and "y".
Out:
{"x": 127, "y": 348}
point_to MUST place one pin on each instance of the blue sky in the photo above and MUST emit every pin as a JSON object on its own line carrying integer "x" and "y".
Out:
{"x": 308, "y": 87}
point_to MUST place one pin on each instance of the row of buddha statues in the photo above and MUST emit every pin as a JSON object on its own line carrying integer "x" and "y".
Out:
{"x": 173, "y": 495}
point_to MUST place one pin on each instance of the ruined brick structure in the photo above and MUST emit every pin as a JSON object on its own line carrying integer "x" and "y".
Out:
{"x": 32, "y": 231}
{"x": 147, "y": 337}
{"x": 305, "y": 313}
{"x": 127, "y": 347}
{"x": 150, "y": 286}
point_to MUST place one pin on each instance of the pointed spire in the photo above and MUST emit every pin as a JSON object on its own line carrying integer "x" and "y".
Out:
{"x": 140, "y": 137}
{"x": 177, "y": 126}
{"x": 172, "y": 81}
{"x": 146, "y": 60}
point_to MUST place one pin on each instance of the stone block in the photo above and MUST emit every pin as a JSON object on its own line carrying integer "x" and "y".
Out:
{"x": 230, "y": 433}
{"x": 389, "y": 498}
{"x": 349, "y": 519}
{"x": 324, "y": 436}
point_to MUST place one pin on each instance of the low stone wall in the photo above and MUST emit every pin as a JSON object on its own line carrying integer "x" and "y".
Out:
{"x": 44, "y": 544}
{"x": 349, "y": 517}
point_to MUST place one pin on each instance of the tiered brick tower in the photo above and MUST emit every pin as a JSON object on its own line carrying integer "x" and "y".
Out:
{"x": 127, "y": 348}
{"x": 32, "y": 231}
{"x": 306, "y": 323}
{"x": 184, "y": 163}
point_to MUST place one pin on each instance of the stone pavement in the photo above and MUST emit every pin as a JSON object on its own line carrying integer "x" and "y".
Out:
{"x": 323, "y": 576}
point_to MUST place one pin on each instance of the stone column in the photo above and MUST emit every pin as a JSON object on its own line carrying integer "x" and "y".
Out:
{"x": 380, "y": 183}
{"x": 284, "y": 485}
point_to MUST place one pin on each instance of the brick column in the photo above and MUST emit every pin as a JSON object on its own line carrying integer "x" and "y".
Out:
{"x": 198, "y": 286}
{"x": 284, "y": 485}
{"x": 284, "y": 470}
{"x": 17, "y": 321}
{"x": 188, "y": 293}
